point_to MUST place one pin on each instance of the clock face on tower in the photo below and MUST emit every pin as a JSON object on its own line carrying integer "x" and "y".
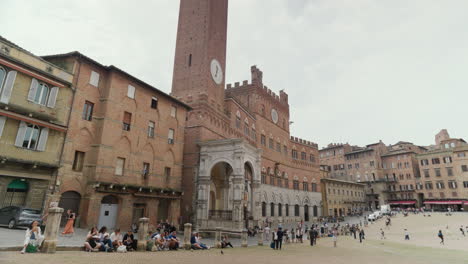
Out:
{"x": 274, "y": 116}
{"x": 216, "y": 71}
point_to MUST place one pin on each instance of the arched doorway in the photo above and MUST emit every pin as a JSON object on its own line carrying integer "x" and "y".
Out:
{"x": 69, "y": 201}
{"x": 16, "y": 193}
{"x": 220, "y": 206}
{"x": 315, "y": 209}
{"x": 212, "y": 200}
{"x": 296, "y": 210}
{"x": 280, "y": 209}
{"x": 306, "y": 213}
{"x": 108, "y": 212}
{"x": 263, "y": 209}
{"x": 272, "y": 209}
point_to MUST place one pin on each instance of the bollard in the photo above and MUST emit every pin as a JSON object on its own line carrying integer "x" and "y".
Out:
{"x": 52, "y": 229}
{"x": 187, "y": 235}
{"x": 142, "y": 232}
{"x": 244, "y": 238}
{"x": 218, "y": 237}
{"x": 260, "y": 237}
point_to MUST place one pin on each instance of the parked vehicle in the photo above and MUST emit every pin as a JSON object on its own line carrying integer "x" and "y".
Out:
{"x": 385, "y": 209}
{"x": 15, "y": 216}
{"x": 372, "y": 217}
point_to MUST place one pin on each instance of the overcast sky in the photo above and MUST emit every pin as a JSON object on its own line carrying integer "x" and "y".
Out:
{"x": 355, "y": 70}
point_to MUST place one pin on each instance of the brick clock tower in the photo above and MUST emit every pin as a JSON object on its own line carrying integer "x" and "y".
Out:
{"x": 200, "y": 57}
{"x": 199, "y": 80}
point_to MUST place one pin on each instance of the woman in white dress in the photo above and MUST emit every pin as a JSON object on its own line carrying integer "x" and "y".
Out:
{"x": 33, "y": 236}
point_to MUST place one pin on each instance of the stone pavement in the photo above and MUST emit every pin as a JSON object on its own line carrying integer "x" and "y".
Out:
{"x": 15, "y": 237}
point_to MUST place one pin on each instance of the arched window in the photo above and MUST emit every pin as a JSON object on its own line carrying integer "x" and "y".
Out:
{"x": 31, "y": 136}
{"x": 280, "y": 210}
{"x": 41, "y": 94}
{"x": 2, "y": 78}
{"x": 296, "y": 210}
{"x": 272, "y": 209}
{"x": 263, "y": 209}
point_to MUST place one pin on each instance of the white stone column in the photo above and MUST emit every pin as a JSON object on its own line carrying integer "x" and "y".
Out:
{"x": 52, "y": 228}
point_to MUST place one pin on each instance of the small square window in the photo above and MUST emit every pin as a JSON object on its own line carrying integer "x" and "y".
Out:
{"x": 131, "y": 91}
{"x": 94, "y": 80}
{"x": 154, "y": 103}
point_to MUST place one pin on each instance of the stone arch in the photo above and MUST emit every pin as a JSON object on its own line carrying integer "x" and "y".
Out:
{"x": 306, "y": 201}
{"x": 124, "y": 143}
{"x": 265, "y": 197}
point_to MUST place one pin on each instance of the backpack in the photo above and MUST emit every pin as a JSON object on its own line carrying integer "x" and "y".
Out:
{"x": 272, "y": 245}
{"x": 122, "y": 249}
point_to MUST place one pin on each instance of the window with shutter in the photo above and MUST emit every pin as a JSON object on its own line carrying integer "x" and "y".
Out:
{"x": 2, "y": 124}
{"x": 2, "y": 78}
{"x": 20, "y": 134}
{"x": 44, "y": 134}
{"x": 131, "y": 91}
{"x": 32, "y": 90}
{"x": 8, "y": 87}
{"x": 170, "y": 136}
{"x": 94, "y": 80}
{"x": 52, "y": 97}
{"x": 127, "y": 120}
{"x": 119, "y": 166}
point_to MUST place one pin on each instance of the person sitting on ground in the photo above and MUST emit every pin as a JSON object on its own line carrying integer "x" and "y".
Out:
{"x": 194, "y": 242}
{"x": 225, "y": 242}
{"x": 104, "y": 239}
{"x": 149, "y": 241}
{"x": 116, "y": 238}
{"x": 129, "y": 241}
{"x": 92, "y": 240}
{"x": 173, "y": 241}
{"x": 198, "y": 239}
{"x": 33, "y": 238}
{"x": 160, "y": 241}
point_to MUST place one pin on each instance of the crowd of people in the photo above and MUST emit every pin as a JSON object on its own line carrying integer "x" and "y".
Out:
{"x": 165, "y": 236}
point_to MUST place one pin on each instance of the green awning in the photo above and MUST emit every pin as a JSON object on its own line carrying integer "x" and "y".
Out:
{"x": 18, "y": 185}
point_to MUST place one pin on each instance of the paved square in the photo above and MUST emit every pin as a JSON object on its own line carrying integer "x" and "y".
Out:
{"x": 423, "y": 248}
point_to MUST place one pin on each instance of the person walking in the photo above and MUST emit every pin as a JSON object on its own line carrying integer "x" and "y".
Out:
{"x": 279, "y": 235}
{"x": 311, "y": 236}
{"x": 68, "y": 230}
{"x": 267, "y": 233}
{"x": 406, "y": 234}
{"x": 382, "y": 234}
{"x": 274, "y": 235}
{"x": 361, "y": 235}
{"x": 462, "y": 231}
{"x": 441, "y": 236}
{"x": 335, "y": 238}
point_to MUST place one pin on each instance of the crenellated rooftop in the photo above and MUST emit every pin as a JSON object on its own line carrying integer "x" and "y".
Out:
{"x": 257, "y": 82}
{"x": 304, "y": 142}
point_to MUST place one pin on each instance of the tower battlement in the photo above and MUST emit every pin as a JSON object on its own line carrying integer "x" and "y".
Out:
{"x": 304, "y": 142}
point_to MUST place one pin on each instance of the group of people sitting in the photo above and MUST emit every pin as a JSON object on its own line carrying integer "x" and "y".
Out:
{"x": 162, "y": 240}
{"x": 102, "y": 241}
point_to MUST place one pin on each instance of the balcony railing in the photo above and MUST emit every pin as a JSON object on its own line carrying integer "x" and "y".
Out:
{"x": 220, "y": 215}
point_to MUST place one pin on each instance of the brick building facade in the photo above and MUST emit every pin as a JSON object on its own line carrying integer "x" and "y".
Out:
{"x": 122, "y": 157}
{"x": 404, "y": 174}
{"x": 241, "y": 165}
